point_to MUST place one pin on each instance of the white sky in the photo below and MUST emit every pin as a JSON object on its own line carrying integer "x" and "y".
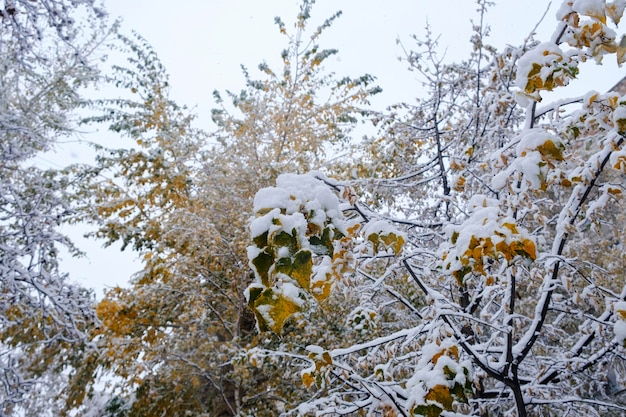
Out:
{"x": 202, "y": 43}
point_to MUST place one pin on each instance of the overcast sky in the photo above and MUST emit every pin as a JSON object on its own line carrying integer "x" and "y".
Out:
{"x": 202, "y": 43}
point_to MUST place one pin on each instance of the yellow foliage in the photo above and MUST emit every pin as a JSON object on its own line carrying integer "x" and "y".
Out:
{"x": 440, "y": 394}
{"x": 550, "y": 150}
{"x": 321, "y": 288}
{"x": 621, "y": 125}
{"x": 479, "y": 248}
{"x": 452, "y": 351}
{"x": 387, "y": 241}
{"x": 273, "y": 309}
{"x": 620, "y": 163}
{"x": 459, "y": 184}
{"x": 307, "y": 379}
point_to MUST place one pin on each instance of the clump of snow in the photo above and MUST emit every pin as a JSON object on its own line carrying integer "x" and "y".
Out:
{"x": 362, "y": 319}
{"x": 315, "y": 349}
{"x": 589, "y": 7}
{"x": 564, "y": 10}
{"x": 264, "y": 311}
{"x": 295, "y": 202}
{"x": 292, "y": 190}
{"x": 486, "y": 222}
{"x": 545, "y": 55}
{"x": 379, "y": 227}
{"x": 533, "y": 139}
{"x": 437, "y": 367}
{"x": 619, "y": 118}
{"x": 534, "y": 147}
{"x": 291, "y": 293}
{"x": 619, "y": 328}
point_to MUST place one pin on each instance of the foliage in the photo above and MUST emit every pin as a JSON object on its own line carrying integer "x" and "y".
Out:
{"x": 494, "y": 254}
{"x": 44, "y": 317}
{"x": 467, "y": 262}
{"x": 175, "y": 342}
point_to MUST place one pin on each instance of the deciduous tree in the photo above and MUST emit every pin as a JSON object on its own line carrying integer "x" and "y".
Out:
{"x": 473, "y": 243}
{"x": 175, "y": 341}
{"x": 44, "y": 317}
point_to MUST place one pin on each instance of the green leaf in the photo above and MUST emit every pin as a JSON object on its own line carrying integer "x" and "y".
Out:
{"x": 261, "y": 240}
{"x": 430, "y": 410}
{"x": 262, "y": 263}
{"x": 284, "y": 239}
{"x": 303, "y": 268}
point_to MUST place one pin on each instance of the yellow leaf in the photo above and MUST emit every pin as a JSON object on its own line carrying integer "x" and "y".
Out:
{"x": 307, "y": 379}
{"x": 272, "y": 310}
{"x": 551, "y": 151}
{"x": 530, "y": 249}
{"x": 505, "y": 250}
{"x": 302, "y": 268}
{"x": 327, "y": 358}
{"x": 459, "y": 184}
{"x": 321, "y": 288}
{"x": 441, "y": 395}
{"x": 511, "y": 227}
{"x": 592, "y": 99}
{"x": 615, "y": 11}
{"x": 621, "y": 125}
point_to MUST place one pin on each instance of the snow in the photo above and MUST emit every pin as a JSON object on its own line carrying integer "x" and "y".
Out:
{"x": 292, "y": 293}
{"x": 544, "y": 55}
{"x": 264, "y": 311}
{"x": 589, "y": 7}
{"x": 565, "y": 9}
{"x": 530, "y": 159}
{"x": 322, "y": 270}
{"x": 283, "y": 252}
{"x": 532, "y": 139}
{"x": 315, "y": 349}
{"x": 296, "y": 202}
{"x": 379, "y": 227}
{"x": 294, "y": 189}
{"x": 620, "y": 331}
{"x": 429, "y": 374}
{"x": 619, "y": 115}
{"x": 620, "y": 306}
{"x": 262, "y": 224}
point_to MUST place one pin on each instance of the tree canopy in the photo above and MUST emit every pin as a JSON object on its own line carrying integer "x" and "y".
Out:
{"x": 464, "y": 257}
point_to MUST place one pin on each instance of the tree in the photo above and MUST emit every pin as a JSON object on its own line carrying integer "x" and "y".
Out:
{"x": 169, "y": 340}
{"x": 474, "y": 245}
{"x": 44, "y": 317}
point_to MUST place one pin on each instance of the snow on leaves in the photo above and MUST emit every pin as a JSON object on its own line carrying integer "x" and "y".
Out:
{"x": 440, "y": 380}
{"x": 300, "y": 237}
{"x": 587, "y": 28}
{"x": 619, "y": 328}
{"x": 509, "y": 296}
{"x": 545, "y": 68}
{"x": 536, "y": 153}
{"x": 584, "y": 28}
{"x": 321, "y": 364}
{"x": 303, "y": 244}
{"x": 486, "y": 236}
{"x": 383, "y": 237}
